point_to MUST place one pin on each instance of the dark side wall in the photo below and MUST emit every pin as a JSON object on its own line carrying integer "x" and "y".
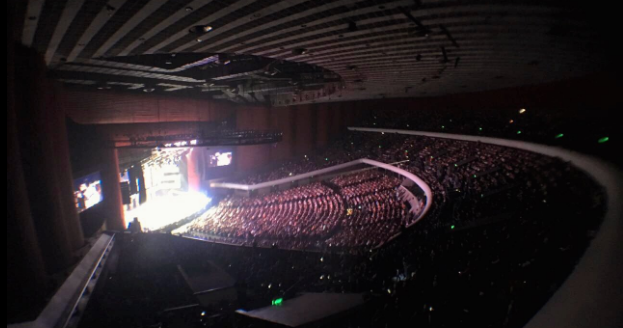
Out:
{"x": 43, "y": 229}
{"x": 592, "y": 99}
{"x": 305, "y": 128}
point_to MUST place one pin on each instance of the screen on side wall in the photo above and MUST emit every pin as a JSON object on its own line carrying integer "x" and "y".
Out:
{"x": 88, "y": 191}
{"x": 218, "y": 158}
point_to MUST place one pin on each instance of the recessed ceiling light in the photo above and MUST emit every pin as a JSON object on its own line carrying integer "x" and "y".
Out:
{"x": 200, "y": 29}
{"x": 300, "y": 51}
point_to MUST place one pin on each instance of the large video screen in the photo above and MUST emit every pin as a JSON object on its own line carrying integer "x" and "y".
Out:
{"x": 218, "y": 158}
{"x": 88, "y": 191}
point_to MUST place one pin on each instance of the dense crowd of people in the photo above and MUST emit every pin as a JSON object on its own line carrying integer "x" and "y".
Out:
{"x": 485, "y": 182}
{"x": 362, "y": 209}
{"x": 505, "y": 230}
{"x": 564, "y": 128}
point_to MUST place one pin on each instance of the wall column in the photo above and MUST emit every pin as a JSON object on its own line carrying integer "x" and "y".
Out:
{"x": 113, "y": 202}
{"x": 26, "y": 279}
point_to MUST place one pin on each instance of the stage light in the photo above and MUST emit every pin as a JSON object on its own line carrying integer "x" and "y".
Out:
{"x": 604, "y": 140}
{"x": 522, "y": 111}
{"x": 453, "y": 227}
{"x": 300, "y": 51}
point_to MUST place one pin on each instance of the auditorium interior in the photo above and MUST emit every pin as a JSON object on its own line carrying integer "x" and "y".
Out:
{"x": 314, "y": 163}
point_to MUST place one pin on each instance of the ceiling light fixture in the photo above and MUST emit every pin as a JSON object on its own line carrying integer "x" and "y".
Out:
{"x": 300, "y": 51}
{"x": 200, "y": 29}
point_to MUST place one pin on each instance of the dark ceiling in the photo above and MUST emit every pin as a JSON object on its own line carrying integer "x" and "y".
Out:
{"x": 358, "y": 49}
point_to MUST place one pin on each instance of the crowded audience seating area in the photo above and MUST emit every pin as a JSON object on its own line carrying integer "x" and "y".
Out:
{"x": 505, "y": 230}
{"x": 474, "y": 183}
{"x": 591, "y": 134}
{"x": 363, "y": 209}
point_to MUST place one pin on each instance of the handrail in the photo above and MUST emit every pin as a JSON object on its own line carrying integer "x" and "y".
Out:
{"x": 591, "y": 295}
{"x": 61, "y": 307}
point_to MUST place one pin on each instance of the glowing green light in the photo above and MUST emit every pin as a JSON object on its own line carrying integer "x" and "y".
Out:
{"x": 560, "y": 136}
{"x": 604, "y": 140}
{"x": 475, "y": 176}
{"x": 278, "y": 302}
{"x": 518, "y": 132}
{"x": 452, "y": 227}
{"x": 480, "y": 129}
{"x": 443, "y": 127}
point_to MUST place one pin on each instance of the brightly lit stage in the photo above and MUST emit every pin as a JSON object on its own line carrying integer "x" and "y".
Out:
{"x": 164, "y": 210}
{"x": 173, "y": 184}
